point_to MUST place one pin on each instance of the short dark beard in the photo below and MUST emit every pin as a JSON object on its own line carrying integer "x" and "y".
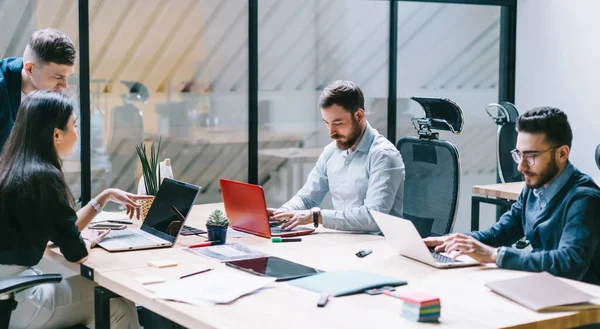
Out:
{"x": 548, "y": 174}
{"x": 352, "y": 138}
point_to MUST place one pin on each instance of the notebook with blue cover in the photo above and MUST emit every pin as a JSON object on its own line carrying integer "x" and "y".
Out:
{"x": 341, "y": 283}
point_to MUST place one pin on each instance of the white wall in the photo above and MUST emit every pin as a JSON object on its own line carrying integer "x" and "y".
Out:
{"x": 558, "y": 64}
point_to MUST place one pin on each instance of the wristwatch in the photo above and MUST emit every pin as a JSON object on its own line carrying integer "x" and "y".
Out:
{"x": 96, "y": 205}
{"x": 316, "y": 211}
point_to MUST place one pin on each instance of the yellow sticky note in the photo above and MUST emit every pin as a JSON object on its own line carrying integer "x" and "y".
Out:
{"x": 160, "y": 263}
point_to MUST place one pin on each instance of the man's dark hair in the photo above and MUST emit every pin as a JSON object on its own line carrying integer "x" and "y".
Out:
{"x": 50, "y": 46}
{"x": 547, "y": 120}
{"x": 343, "y": 93}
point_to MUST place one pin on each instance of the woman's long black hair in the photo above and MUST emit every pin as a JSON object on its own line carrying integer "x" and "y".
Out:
{"x": 29, "y": 156}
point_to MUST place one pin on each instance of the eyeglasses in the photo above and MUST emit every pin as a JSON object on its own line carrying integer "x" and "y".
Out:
{"x": 529, "y": 156}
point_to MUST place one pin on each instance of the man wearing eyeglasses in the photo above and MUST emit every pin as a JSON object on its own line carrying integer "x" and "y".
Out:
{"x": 558, "y": 210}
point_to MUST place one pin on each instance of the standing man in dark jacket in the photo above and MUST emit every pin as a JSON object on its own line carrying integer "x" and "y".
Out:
{"x": 558, "y": 210}
{"x": 48, "y": 60}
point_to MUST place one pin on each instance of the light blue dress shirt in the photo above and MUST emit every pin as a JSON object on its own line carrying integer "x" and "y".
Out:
{"x": 370, "y": 177}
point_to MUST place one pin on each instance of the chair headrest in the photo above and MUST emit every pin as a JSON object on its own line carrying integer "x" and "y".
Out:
{"x": 137, "y": 91}
{"x": 598, "y": 156}
{"x": 442, "y": 113}
{"x": 505, "y": 112}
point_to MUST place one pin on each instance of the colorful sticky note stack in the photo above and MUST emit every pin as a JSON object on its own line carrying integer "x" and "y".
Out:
{"x": 421, "y": 307}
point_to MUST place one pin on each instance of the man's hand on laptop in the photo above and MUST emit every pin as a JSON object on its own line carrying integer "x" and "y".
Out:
{"x": 437, "y": 242}
{"x": 292, "y": 218}
{"x": 459, "y": 244}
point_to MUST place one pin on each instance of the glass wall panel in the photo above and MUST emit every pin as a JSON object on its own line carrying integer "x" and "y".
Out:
{"x": 19, "y": 20}
{"x": 175, "y": 70}
{"x": 452, "y": 51}
{"x": 303, "y": 47}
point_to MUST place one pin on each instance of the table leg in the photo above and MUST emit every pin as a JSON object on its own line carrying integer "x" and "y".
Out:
{"x": 102, "y": 299}
{"x": 476, "y": 202}
{"x": 475, "y": 213}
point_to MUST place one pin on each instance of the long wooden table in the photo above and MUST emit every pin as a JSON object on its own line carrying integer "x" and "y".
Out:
{"x": 503, "y": 195}
{"x": 466, "y": 303}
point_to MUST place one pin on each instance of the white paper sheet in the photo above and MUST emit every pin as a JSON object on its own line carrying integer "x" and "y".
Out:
{"x": 215, "y": 287}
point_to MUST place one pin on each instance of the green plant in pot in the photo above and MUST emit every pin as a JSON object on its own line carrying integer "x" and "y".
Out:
{"x": 217, "y": 225}
{"x": 151, "y": 173}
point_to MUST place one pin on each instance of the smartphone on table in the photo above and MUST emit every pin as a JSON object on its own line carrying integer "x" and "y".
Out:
{"x": 107, "y": 226}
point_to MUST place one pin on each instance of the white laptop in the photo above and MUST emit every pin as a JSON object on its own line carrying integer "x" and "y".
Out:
{"x": 163, "y": 223}
{"x": 405, "y": 239}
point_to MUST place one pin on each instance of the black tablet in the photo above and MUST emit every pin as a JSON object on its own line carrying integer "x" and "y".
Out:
{"x": 274, "y": 267}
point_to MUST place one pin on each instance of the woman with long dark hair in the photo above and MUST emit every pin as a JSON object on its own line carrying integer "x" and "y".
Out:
{"x": 36, "y": 207}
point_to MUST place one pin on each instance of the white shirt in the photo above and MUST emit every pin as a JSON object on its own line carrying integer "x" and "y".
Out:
{"x": 370, "y": 177}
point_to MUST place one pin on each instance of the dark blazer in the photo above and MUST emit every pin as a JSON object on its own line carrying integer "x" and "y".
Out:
{"x": 565, "y": 236}
{"x": 10, "y": 95}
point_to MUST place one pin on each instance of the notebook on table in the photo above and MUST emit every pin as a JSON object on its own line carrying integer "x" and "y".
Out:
{"x": 542, "y": 292}
{"x": 341, "y": 283}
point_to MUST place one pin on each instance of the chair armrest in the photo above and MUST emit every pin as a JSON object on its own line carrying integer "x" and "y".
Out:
{"x": 16, "y": 284}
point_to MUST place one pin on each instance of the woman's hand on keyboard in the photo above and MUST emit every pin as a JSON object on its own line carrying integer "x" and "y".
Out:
{"x": 93, "y": 236}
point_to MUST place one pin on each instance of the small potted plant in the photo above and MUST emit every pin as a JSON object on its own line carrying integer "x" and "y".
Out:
{"x": 217, "y": 225}
{"x": 150, "y": 174}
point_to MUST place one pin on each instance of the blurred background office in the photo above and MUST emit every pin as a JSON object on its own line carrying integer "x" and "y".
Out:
{"x": 180, "y": 69}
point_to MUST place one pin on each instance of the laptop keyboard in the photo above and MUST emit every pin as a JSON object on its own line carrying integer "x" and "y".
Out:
{"x": 130, "y": 238}
{"x": 277, "y": 229}
{"x": 439, "y": 258}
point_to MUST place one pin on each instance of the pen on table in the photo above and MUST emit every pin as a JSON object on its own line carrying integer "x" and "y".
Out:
{"x": 323, "y": 299}
{"x": 199, "y": 272}
{"x": 204, "y": 244}
{"x": 278, "y": 239}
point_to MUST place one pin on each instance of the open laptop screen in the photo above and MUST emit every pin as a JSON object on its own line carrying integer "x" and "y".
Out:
{"x": 162, "y": 220}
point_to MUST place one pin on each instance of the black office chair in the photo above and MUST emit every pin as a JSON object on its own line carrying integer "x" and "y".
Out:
{"x": 8, "y": 288}
{"x": 432, "y": 180}
{"x": 598, "y": 155}
{"x": 505, "y": 115}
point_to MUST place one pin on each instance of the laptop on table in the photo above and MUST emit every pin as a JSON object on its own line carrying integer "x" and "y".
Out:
{"x": 162, "y": 224}
{"x": 405, "y": 239}
{"x": 246, "y": 208}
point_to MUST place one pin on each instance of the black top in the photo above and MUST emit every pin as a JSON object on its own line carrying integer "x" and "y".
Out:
{"x": 31, "y": 214}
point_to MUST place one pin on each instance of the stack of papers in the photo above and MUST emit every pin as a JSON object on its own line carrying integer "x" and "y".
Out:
{"x": 421, "y": 307}
{"x": 215, "y": 287}
{"x": 227, "y": 252}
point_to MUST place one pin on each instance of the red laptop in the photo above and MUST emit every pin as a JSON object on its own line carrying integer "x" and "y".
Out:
{"x": 246, "y": 208}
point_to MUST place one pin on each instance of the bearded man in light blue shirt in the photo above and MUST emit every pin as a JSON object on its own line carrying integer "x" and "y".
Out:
{"x": 361, "y": 169}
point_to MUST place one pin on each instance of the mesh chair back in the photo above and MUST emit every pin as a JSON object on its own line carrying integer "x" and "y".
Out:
{"x": 431, "y": 187}
{"x": 598, "y": 156}
{"x": 507, "y": 167}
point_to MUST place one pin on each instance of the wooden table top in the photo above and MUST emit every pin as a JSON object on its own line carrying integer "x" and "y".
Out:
{"x": 466, "y": 303}
{"x": 509, "y": 191}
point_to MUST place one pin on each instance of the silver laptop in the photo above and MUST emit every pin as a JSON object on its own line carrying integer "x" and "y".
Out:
{"x": 163, "y": 223}
{"x": 405, "y": 239}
